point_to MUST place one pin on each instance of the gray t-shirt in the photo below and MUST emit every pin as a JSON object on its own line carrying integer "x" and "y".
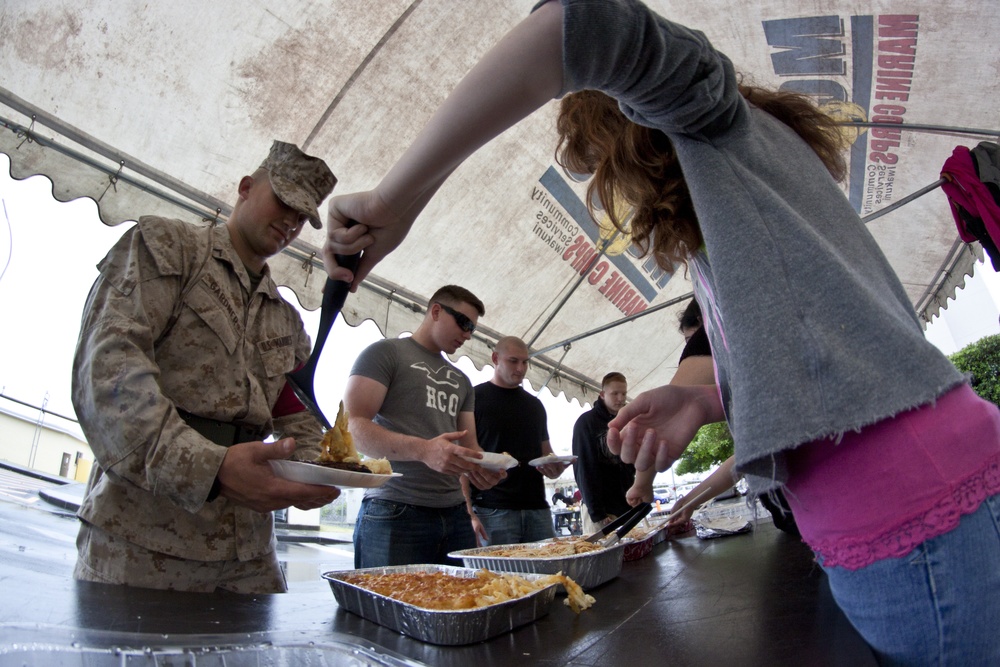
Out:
{"x": 425, "y": 393}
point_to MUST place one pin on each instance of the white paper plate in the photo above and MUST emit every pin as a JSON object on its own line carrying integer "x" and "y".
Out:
{"x": 494, "y": 461}
{"x": 551, "y": 458}
{"x": 309, "y": 473}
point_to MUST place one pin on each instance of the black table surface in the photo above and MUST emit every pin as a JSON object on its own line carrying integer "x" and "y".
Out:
{"x": 750, "y": 599}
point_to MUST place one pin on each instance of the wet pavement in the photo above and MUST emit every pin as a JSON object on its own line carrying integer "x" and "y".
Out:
{"x": 19, "y": 488}
{"x": 48, "y": 532}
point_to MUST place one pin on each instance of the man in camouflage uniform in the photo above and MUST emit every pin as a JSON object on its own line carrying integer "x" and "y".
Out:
{"x": 178, "y": 376}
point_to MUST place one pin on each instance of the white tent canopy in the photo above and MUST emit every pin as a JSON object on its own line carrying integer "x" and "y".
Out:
{"x": 160, "y": 108}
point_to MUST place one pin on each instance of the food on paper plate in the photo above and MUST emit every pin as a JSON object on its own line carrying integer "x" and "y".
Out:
{"x": 494, "y": 461}
{"x": 555, "y": 548}
{"x": 440, "y": 591}
{"x": 551, "y": 458}
{"x": 338, "y": 450}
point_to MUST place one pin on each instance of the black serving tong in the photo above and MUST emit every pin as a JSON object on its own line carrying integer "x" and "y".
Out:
{"x": 334, "y": 295}
{"x": 620, "y": 526}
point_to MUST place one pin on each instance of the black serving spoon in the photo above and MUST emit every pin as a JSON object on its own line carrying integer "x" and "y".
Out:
{"x": 334, "y": 295}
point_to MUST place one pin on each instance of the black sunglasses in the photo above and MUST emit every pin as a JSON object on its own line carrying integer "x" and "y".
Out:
{"x": 463, "y": 322}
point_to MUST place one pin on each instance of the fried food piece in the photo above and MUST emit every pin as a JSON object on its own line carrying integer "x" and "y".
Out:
{"x": 576, "y": 599}
{"x": 338, "y": 448}
{"x": 378, "y": 466}
{"x": 338, "y": 444}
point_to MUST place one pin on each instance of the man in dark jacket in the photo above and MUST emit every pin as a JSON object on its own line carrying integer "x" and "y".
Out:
{"x": 602, "y": 477}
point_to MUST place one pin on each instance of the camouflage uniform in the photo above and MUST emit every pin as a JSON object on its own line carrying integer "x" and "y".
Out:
{"x": 224, "y": 358}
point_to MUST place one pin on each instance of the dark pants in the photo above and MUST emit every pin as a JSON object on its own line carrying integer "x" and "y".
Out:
{"x": 391, "y": 533}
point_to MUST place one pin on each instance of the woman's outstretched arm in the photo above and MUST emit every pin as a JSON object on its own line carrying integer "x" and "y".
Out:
{"x": 516, "y": 77}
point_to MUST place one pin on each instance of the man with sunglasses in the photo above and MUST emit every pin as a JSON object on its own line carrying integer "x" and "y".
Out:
{"x": 409, "y": 404}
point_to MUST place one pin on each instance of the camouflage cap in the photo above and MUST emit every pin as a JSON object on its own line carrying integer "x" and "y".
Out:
{"x": 300, "y": 181}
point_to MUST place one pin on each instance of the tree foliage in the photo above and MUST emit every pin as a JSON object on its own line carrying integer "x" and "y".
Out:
{"x": 712, "y": 445}
{"x": 982, "y": 360}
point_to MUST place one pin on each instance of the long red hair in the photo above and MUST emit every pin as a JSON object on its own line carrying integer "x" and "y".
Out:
{"x": 635, "y": 168}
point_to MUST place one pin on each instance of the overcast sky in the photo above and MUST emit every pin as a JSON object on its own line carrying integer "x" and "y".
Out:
{"x": 48, "y": 253}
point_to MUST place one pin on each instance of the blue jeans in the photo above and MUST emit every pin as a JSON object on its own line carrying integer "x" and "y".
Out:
{"x": 516, "y": 526}
{"x": 938, "y": 604}
{"x": 391, "y": 533}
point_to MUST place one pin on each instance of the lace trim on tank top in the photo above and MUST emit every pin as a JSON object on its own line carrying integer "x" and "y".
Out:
{"x": 854, "y": 553}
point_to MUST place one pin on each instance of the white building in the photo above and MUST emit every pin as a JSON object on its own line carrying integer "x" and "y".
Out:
{"x": 34, "y": 438}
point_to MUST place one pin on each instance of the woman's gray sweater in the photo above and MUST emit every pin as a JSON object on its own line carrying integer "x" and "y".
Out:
{"x": 811, "y": 330}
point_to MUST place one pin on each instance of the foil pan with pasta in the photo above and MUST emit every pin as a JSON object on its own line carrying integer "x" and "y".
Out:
{"x": 589, "y": 566}
{"x": 499, "y": 609}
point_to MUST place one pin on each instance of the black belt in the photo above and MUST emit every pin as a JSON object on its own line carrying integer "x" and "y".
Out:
{"x": 221, "y": 433}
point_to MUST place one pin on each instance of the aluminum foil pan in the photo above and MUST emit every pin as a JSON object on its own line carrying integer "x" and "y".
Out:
{"x": 641, "y": 548}
{"x": 658, "y": 516}
{"x": 659, "y": 520}
{"x": 589, "y": 570}
{"x": 445, "y": 627}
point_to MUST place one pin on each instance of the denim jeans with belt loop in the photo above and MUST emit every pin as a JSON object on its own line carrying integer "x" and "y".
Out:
{"x": 393, "y": 533}
{"x": 938, "y": 604}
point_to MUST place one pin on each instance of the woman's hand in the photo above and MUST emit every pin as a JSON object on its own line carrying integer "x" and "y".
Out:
{"x": 682, "y": 517}
{"x": 518, "y": 75}
{"x": 360, "y": 222}
{"x": 656, "y": 428}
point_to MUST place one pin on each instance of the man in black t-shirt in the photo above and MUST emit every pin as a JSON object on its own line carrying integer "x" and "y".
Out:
{"x": 510, "y": 420}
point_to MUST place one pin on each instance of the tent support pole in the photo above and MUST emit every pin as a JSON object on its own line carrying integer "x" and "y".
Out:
{"x": 611, "y": 325}
{"x": 918, "y": 127}
{"x": 602, "y": 250}
{"x": 106, "y": 151}
{"x": 905, "y": 200}
{"x": 555, "y": 368}
{"x": 35, "y": 137}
